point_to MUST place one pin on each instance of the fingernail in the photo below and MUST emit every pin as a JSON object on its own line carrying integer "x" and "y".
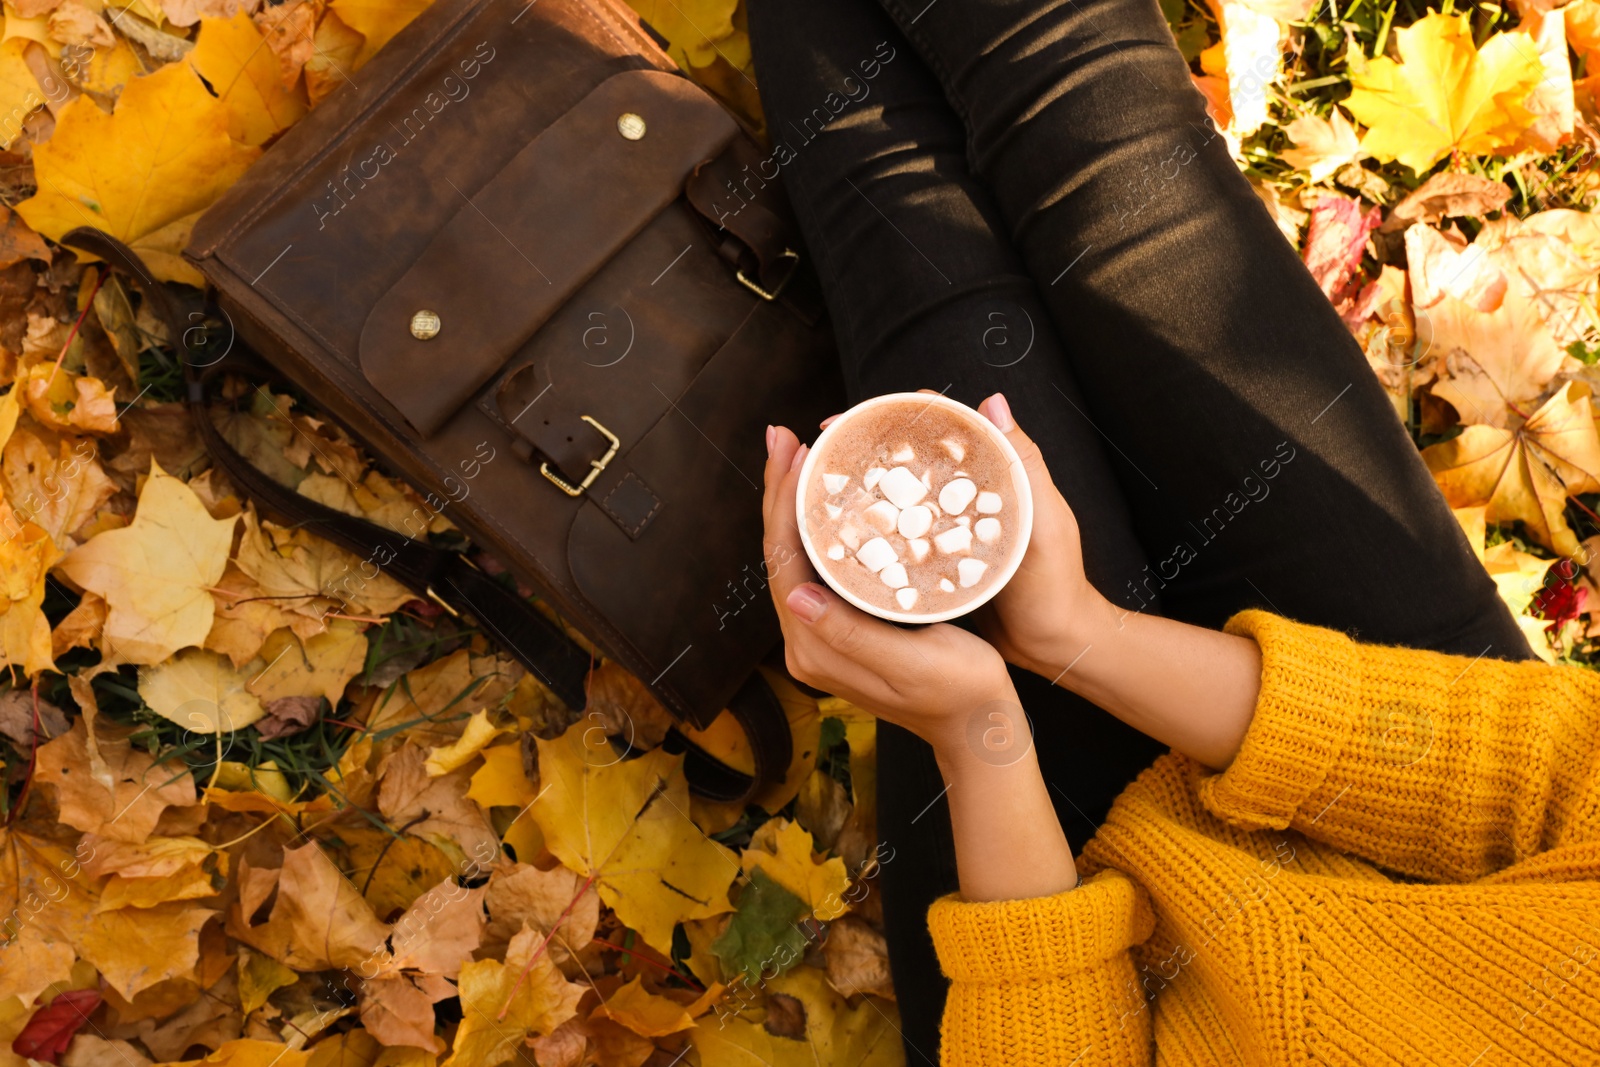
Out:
{"x": 772, "y": 435}
{"x": 1000, "y": 413}
{"x": 799, "y": 457}
{"x": 807, "y": 602}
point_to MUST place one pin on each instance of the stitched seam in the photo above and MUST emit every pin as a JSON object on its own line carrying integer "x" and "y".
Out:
{"x": 605, "y": 503}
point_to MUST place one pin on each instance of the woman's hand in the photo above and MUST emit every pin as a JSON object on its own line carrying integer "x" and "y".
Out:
{"x": 1038, "y": 621}
{"x": 936, "y": 681}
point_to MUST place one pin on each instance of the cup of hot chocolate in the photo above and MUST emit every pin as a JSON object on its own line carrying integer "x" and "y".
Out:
{"x": 914, "y": 507}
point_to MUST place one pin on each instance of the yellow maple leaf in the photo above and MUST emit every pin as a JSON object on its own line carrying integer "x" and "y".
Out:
{"x": 643, "y": 1012}
{"x": 19, "y": 91}
{"x": 163, "y": 156}
{"x": 626, "y": 824}
{"x": 319, "y": 919}
{"x": 44, "y": 886}
{"x": 1526, "y": 473}
{"x": 135, "y": 948}
{"x": 867, "y": 1034}
{"x": 1446, "y": 95}
{"x": 1494, "y": 364}
{"x": 57, "y": 489}
{"x": 230, "y": 54}
{"x": 377, "y": 20}
{"x": 319, "y": 665}
{"x": 501, "y": 780}
{"x": 156, "y": 573}
{"x": 248, "y": 1052}
{"x": 528, "y": 988}
{"x": 783, "y": 850}
{"x": 338, "y": 47}
{"x": 200, "y": 691}
{"x": 25, "y": 561}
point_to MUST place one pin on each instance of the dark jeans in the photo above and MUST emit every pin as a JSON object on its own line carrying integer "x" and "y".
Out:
{"x": 1027, "y": 196}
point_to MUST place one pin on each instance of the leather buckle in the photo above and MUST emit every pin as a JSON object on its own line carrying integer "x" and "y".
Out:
{"x": 789, "y": 254}
{"x": 597, "y": 465}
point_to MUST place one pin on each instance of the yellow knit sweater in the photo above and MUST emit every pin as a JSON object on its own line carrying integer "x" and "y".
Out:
{"x": 1402, "y": 866}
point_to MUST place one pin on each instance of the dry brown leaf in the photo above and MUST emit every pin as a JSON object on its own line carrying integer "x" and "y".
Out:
{"x": 42, "y": 881}
{"x": 289, "y": 29}
{"x": 135, "y": 948}
{"x": 189, "y": 12}
{"x": 59, "y": 489}
{"x": 520, "y": 894}
{"x": 75, "y": 23}
{"x": 314, "y": 575}
{"x": 1526, "y": 473}
{"x": 317, "y": 666}
{"x": 1443, "y": 264}
{"x": 319, "y": 919}
{"x": 337, "y": 49}
{"x": 127, "y": 801}
{"x": 857, "y": 959}
{"x": 20, "y": 709}
{"x": 1493, "y": 366}
{"x": 435, "y": 809}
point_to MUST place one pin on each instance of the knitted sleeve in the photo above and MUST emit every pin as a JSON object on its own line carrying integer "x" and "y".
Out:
{"x": 1045, "y": 982}
{"x": 1438, "y": 767}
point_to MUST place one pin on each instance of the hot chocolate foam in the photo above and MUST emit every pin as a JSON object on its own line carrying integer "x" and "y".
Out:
{"x": 912, "y": 508}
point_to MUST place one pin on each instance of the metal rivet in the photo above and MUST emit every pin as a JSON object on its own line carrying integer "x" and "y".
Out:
{"x": 630, "y": 125}
{"x": 425, "y": 325}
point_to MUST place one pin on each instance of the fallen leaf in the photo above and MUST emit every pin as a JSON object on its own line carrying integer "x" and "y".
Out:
{"x": 200, "y": 691}
{"x": 556, "y": 900}
{"x": 764, "y": 934}
{"x": 396, "y": 1012}
{"x": 822, "y": 807}
{"x": 289, "y": 30}
{"x": 80, "y": 627}
{"x": 17, "y": 239}
{"x": 51, "y": 1029}
{"x": 1335, "y": 241}
{"x": 25, "y": 561}
{"x": 1493, "y": 365}
{"x": 75, "y": 23}
{"x": 623, "y": 706}
{"x": 529, "y": 990}
{"x": 319, "y": 920}
{"x": 163, "y": 155}
{"x": 443, "y": 759}
{"x": 92, "y": 1050}
{"x": 867, "y": 1034}
{"x": 1446, "y": 94}
{"x": 1554, "y": 258}
{"x": 1322, "y": 146}
{"x": 1443, "y": 264}
{"x": 1252, "y": 61}
{"x": 857, "y": 959}
{"x": 189, "y": 12}
{"x": 627, "y": 825}
{"x": 336, "y": 49}
{"x": 783, "y": 849}
{"x": 320, "y": 665}
{"x": 1526, "y": 473}
{"x": 1452, "y": 194}
{"x": 1552, "y": 103}
{"x": 156, "y": 574}
{"x": 432, "y": 703}
{"x": 19, "y": 709}
{"x": 19, "y": 90}
{"x": 229, "y": 53}
{"x": 250, "y": 1053}
{"x": 435, "y": 808}
{"x": 501, "y": 780}
{"x": 128, "y": 802}
{"x": 287, "y": 716}
{"x": 300, "y": 568}
{"x": 377, "y": 20}
{"x": 135, "y": 948}
{"x": 59, "y": 489}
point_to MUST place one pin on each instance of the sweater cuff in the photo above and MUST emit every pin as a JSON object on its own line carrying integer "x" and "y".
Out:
{"x": 1310, "y": 679}
{"x": 1047, "y": 937}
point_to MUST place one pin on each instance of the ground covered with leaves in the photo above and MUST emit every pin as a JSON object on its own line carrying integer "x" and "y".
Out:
{"x": 255, "y": 813}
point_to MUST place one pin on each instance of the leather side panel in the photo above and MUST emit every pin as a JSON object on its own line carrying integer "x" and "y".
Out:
{"x": 523, "y": 244}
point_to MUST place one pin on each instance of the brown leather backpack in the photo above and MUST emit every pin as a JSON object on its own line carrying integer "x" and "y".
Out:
{"x": 554, "y": 284}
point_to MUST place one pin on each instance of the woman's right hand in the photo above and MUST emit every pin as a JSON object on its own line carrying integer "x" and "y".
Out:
{"x": 1038, "y": 621}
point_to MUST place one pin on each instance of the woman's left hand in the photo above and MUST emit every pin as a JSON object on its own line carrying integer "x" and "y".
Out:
{"x": 936, "y": 681}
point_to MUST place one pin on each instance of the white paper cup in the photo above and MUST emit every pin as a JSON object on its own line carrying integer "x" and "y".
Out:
{"x": 1019, "y": 485}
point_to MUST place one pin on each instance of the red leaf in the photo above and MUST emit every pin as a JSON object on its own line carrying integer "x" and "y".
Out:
{"x": 50, "y": 1031}
{"x": 1335, "y": 240}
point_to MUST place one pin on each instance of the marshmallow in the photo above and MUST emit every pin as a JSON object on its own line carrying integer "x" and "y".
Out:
{"x": 956, "y": 449}
{"x": 903, "y": 454}
{"x": 987, "y": 529}
{"x": 882, "y": 516}
{"x": 851, "y": 539}
{"x": 964, "y": 521}
{"x": 836, "y": 552}
{"x": 988, "y": 503}
{"x": 835, "y": 483}
{"x": 927, "y": 480}
{"x": 870, "y": 479}
{"x": 905, "y": 598}
{"x": 955, "y": 539}
{"x": 956, "y": 495}
{"x": 877, "y": 554}
{"x": 894, "y": 576}
{"x": 915, "y": 521}
{"x": 833, "y": 510}
{"x": 969, "y": 571}
{"x": 947, "y": 585}
{"x": 902, "y": 488}
{"x": 919, "y": 549}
